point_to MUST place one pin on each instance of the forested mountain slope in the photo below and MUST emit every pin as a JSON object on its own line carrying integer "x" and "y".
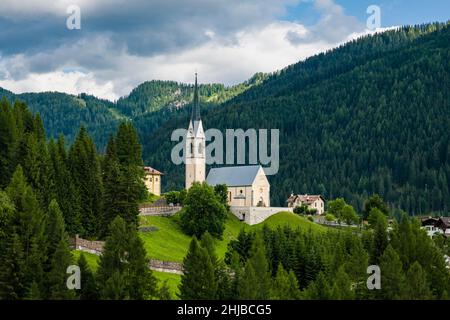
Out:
{"x": 148, "y": 105}
{"x": 372, "y": 116}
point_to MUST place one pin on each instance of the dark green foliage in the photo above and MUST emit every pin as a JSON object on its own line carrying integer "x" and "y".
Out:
{"x": 28, "y": 223}
{"x": 285, "y": 285}
{"x": 176, "y": 197}
{"x": 68, "y": 196}
{"x": 84, "y": 166}
{"x": 392, "y": 275}
{"x": 241, "y": 246}
{"x": 123, "y": 270}
{"x": 123, "y": 176}
{"x": 89, "y": 289}
{"x": 418, "y": 287}
{"x": 380, "y": 237}
{"x": 255, "y": 283}
{"x": 8, "y": 142}
{"x": 221, "y": 191}
{"x": 57, "y": 277}
{"x": 375, "y": 202}
{"x": 198, "y": 280}
{"x": 203, "y": 212}
{"x": 370, "y": 117}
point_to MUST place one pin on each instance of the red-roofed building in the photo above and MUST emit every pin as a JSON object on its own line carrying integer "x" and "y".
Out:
{"x": 311, "y": 201}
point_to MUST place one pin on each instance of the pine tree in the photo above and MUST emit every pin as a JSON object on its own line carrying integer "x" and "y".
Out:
{"x": 129, "y": 154}
{"x": 68, "y": 197}
{"x": 164, "y": 291}
{"x": 84, "y": 166}
{"x": 8, "y": 142}
{"x": 392, "y": 276}
{"x": 319, "y": 289}
{"x": 342, "y": 287}
{"x": 380, "y": 239}
{"x": 111, "y": 270}
{"x": 89, "y": 289}
{"x": 55, "y": 229}
{"x": 198, "y": 280}
{"x": 12, "y": 269}
{"x": 29, "y": 224}
{"x": 37, "y": 168}
{"x": 417, "y": 286}
{"x": 247, "y": 288}
{"x": 285, "y": 285}
{"x": 112, "y": 178}
{"x": 142, "y": 283}
{"x": 123, "y": 270}
{"x": 57, "y": 277}
{"x": 256, "y": 270}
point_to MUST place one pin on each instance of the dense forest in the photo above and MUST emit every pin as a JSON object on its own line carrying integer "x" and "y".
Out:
{"x": 371, "y": 116}
{"x": 48, "y": 193}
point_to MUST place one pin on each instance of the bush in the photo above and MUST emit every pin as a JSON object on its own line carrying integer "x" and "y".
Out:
{"x": 203, "y": 211}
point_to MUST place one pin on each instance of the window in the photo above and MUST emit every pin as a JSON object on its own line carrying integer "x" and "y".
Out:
{"x": 151, "y": 179}
{"x": 192, "y": 148}
{"x": 200, "y": 148}
{"x": 156, "y": 179}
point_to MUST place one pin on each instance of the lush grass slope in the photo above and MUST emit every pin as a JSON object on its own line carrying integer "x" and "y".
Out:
{"x": 173, "y": 281}
{"x": 169, "y": 243}
{"x": 91, "y": 259}
{"x": 292, "y": 220}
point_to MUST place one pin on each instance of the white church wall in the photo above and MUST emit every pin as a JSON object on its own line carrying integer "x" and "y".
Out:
{"x": 255, "y": 215}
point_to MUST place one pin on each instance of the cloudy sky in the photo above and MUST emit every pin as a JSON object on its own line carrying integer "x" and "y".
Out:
{"x": 123, "y": 43}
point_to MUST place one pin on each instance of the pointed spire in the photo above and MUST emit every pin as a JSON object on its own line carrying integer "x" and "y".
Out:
{"x": 195, "y": 116}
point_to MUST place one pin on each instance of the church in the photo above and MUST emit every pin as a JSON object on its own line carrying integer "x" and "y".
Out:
{"x": 248, "y": 186}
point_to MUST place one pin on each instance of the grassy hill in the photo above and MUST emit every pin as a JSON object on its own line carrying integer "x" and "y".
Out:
{"x": 169, "y": 243}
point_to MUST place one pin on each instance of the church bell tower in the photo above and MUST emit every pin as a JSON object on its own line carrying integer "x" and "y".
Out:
{"x": 195, "y": 145}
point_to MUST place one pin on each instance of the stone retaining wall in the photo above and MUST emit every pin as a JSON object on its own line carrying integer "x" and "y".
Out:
{"x": 95, "y": 247}
{"x": 166, "y": 266}
{"x": 158, "y": 211}
{"x": 255, "y": 215}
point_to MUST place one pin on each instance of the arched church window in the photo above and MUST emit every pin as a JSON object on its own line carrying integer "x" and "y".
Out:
{"x": 192, "y": 148}
{"x": 200, "y": 148}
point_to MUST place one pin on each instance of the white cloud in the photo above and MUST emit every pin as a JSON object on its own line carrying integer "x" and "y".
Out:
{"x": 68, "y": 82}
{"x": 255, "y": 50}
{"x": 107, "y": 68}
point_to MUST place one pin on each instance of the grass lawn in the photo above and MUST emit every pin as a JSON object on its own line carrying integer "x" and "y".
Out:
{"x": 91, "y": 259}
{"x": 169, "y": 243}
{"x": 292, "y": 220}
{"x": 173, "y": 280}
